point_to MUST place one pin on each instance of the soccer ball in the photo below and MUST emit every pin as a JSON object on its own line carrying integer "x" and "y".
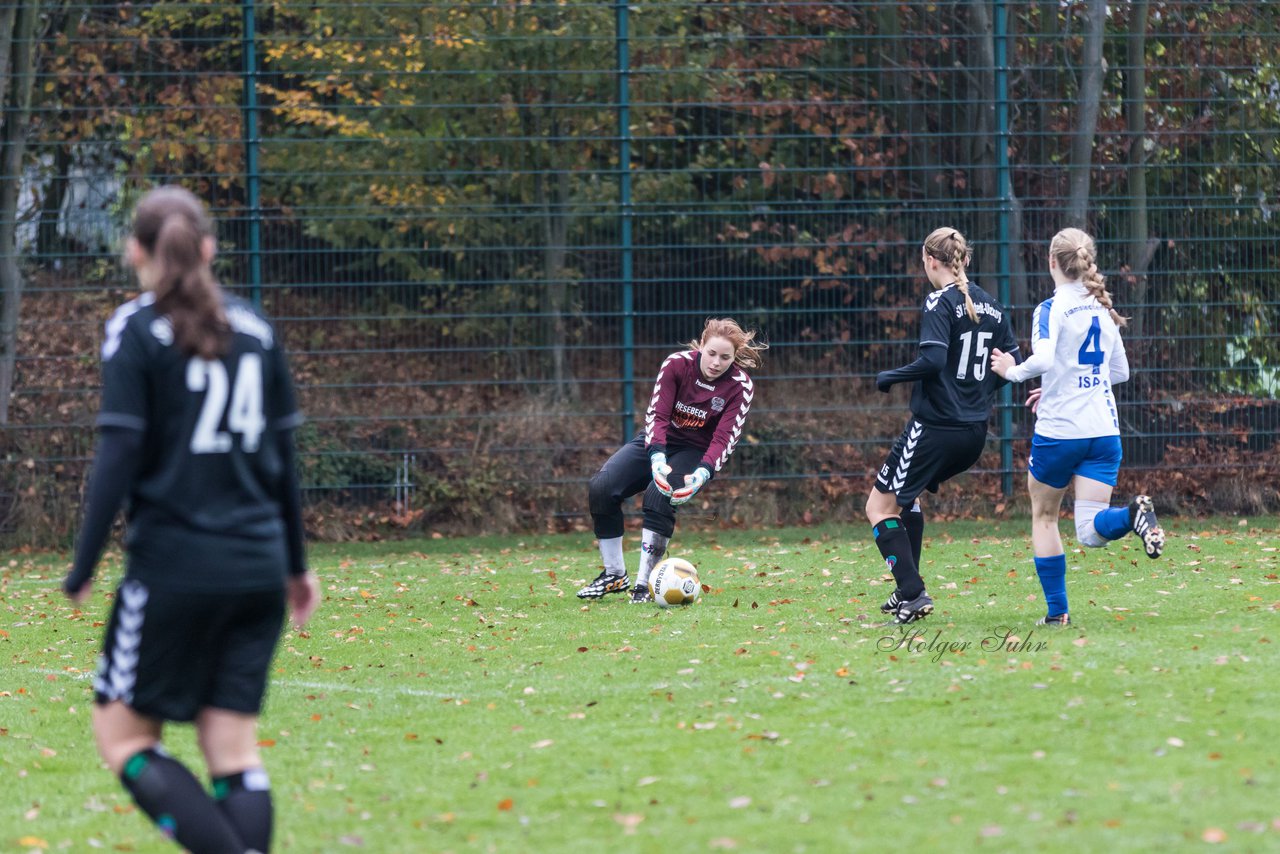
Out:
{"x": 675, "y": 582}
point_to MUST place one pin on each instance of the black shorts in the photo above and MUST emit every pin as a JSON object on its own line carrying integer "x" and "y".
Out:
{"x": 925, "y": 456}
{"x": 168, "y": 654}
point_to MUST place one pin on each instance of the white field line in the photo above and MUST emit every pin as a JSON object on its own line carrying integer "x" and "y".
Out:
{"x": 314, "y": 685}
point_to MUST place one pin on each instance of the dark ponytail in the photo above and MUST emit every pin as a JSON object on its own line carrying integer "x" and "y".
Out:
{"x": 171, "y": 224}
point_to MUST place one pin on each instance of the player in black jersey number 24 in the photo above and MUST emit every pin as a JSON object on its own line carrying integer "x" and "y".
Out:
{"x": 954, "y": 389}
{"x": 196, "y": 431}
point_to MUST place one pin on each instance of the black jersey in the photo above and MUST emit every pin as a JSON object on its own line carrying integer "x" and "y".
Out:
{"x": 965, "y": 389}
{"x": 203, "y": 510}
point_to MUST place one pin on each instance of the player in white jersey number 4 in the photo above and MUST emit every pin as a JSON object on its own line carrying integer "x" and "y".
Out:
{"x": 1078, "y": 353}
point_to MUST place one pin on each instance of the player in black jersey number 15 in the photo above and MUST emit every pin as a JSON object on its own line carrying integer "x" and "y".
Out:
{"x": 951, "y": 398}
{"x": 196, "y": 431}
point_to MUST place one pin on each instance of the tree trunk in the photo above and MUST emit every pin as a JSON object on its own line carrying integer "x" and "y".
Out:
{"x": 983, "y": 156}
{"x": 908, "y": 112}
{"x": 8, "y": 16}
{"x": 555, "y": 230}
{"x": 980, "y": 141}
{"x": 1135, "y": 119}
{"x": 48, "y": 241}
{"x": 1047, "y": 77}
{"x": 17, "y": 48}
{"x": 1090, "y": 94}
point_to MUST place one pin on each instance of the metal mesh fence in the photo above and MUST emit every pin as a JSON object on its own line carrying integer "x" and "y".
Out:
{"x": 480, "y": 227}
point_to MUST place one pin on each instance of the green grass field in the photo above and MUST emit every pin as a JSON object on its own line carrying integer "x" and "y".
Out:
{"x": 454, "y": 695}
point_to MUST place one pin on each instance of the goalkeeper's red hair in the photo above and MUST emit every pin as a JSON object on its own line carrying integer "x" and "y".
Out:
{"x": 746, "y": 349}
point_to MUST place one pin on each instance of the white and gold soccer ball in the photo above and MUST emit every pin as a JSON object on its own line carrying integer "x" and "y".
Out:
{"x": 675, "y": 582}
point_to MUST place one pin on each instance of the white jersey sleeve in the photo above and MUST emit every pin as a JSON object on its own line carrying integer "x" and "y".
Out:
{"x": 1119, "y": 363}
{"x": 1043, "y": 328}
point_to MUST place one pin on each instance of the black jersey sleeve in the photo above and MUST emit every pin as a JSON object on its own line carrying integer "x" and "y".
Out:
{"x": 936, "y": 320}
{"x": 1008, "y": 344}
{"x": 283, "y": 411}
{"x": 284, "y": 417}
{"x": 935, "y": 340}
{"x": 933, "y": 358}
{"x": 115, "y": 463}
{"x": 290, "y": 499}
{"x": 124, "y": 382}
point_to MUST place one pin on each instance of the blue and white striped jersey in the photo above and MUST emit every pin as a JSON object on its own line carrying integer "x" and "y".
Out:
{"x": 1077, "y": 349}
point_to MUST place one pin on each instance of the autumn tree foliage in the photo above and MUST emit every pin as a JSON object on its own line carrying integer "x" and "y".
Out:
{"x": 442, "y": 185}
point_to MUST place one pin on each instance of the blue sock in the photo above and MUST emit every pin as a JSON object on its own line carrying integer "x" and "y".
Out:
{"x": 1053, "y": 580}
{"x": 1113, "y": 523}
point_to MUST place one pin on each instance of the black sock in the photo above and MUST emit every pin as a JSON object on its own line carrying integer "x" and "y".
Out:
{"x": 895, "y": 547}
{"x": 245, "y": 799}
{"x": 164, "y": 789}
{"x": 913, "y": 521}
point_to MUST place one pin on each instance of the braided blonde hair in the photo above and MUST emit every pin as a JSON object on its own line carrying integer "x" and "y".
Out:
{"x": 1077, "y": 258}
{"x": 950, "y": 247}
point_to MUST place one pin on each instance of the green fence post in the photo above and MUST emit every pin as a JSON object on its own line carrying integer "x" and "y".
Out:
{"x": 1001, "y": 32}
{"x": 624, "y": 200}
{"x": 253, "y": 190}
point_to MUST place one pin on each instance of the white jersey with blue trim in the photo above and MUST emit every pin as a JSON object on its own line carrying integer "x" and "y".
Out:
{"x": 1076, "y": 347}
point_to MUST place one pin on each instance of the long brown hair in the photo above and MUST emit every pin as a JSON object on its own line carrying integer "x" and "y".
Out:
{"x": 1077, "y": 258}
{"x": 746, "y": 349}
{"x": 950, "y": 247}
{"x": 171, "y": 224}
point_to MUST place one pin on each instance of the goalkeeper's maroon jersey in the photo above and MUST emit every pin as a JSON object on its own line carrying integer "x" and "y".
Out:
{"x": 686, "y": 411}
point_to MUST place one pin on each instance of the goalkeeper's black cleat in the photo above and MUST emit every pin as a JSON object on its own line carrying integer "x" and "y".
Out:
{"x": 891, "y": 604}
{"x": 1061, "y": 621}
{"x": 1142, "y": 518}
{"x": 641, "y": 593}
{"x": 605, "y": 583}
{"x": 914, "y": 609}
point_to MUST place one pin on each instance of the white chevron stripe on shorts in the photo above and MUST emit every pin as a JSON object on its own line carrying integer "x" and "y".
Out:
{"x": 914, "y": 432}
{"x": 118, "y": 674}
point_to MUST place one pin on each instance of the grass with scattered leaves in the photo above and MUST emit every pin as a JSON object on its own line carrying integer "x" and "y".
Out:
{"x": 454, "y": 695}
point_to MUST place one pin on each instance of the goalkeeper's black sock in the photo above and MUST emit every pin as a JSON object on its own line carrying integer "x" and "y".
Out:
{"x": 895, "y": 547}
{"x": 245, "y": 799}
{"x": 913, "y": 521}
{"x": 164, "y": 789}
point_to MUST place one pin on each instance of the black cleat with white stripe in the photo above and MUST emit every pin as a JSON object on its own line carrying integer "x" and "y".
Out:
{"x": 891, "y": 604}
{"x": 1142, "y": 518}
{"x": 913, "y": 610}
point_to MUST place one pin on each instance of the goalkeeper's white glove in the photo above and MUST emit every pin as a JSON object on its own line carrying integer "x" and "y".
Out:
{"x": 692, "y": 483}
{"x": 658, "y": 465}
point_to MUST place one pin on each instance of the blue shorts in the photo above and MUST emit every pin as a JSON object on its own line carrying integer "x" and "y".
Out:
{"x": 1055, "y": 461}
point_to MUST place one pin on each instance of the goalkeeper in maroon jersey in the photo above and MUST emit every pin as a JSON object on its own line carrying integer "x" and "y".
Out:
{"x": 695, "y": 418}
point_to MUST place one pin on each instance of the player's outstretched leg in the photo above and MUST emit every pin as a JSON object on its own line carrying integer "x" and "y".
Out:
{"x": 1142, "y": 518}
